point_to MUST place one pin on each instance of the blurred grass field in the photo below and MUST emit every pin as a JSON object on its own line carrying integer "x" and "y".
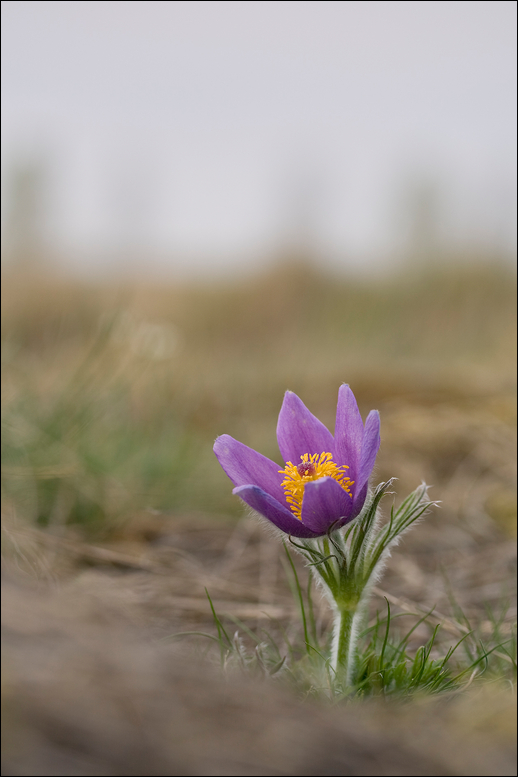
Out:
{"x": 114, "y": 393}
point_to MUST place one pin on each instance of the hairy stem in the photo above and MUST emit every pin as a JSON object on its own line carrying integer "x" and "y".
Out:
{"x": 345, "y": 638}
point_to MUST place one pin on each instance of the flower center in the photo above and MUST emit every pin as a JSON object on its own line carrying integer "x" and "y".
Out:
{"x": 312, "y": 467}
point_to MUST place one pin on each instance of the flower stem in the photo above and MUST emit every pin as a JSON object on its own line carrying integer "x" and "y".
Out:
{"x": 345, "y": 638}
{"x": 347, "y": 565}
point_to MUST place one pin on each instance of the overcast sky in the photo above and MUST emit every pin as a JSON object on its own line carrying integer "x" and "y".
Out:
{"x": 213, "y": 129}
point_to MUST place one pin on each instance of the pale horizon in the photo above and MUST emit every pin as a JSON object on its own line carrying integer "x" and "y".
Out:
{"x": 229, "y": 131}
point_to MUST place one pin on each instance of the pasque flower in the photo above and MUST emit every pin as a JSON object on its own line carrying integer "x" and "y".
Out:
{"x": 323, "y": 486}
{"x": 325, "y": 479}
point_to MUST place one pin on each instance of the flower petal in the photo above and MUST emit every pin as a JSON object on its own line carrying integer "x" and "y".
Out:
{"x": 325, "y": 502}
{"x": 299, "y": 431}
{"x": 244, "y": 466}
{"x": 348, "y": 432}
{"x": 370, "y": 446}
{"x": 279, "y": 515}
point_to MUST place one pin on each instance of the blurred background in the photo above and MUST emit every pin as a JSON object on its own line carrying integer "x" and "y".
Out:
{"x": 196, "y": 138}
{"x": 207, "y": 203}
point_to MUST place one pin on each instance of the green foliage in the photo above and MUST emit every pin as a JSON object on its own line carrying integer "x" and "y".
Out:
{"x": 84, "y": 454}
{"x": 386, "y": 665}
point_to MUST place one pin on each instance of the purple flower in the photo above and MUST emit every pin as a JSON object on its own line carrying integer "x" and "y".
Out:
{"x": 325, "y": 480}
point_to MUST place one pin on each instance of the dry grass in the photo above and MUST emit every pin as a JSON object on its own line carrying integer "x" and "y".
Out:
{"x": 86, "y": 692}
{"x": 113, "y": 396}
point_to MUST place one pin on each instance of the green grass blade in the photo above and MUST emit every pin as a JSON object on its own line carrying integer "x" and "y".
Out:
{"x": 300, "y": 598}
{"x": 221, "y": 629}
{"x": 189, "y": 634}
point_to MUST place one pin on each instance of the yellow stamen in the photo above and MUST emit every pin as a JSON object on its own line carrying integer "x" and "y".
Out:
{"x": 312, "y": 467}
